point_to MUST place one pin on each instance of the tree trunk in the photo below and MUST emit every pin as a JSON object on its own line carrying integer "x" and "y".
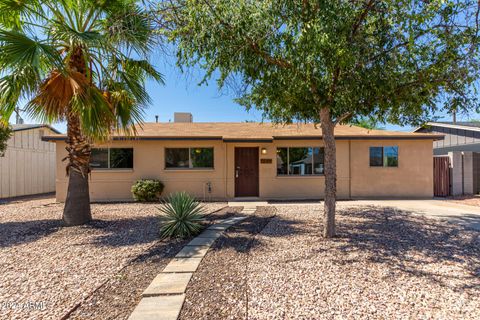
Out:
{"x": 328, "y": 128}
{"x": 77, "y": 204}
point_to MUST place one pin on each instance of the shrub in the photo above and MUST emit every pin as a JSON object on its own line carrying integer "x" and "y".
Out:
{"x": 182, "y": 216}
{"x": 147, "y": 190}
{"x": 5, "y": 134}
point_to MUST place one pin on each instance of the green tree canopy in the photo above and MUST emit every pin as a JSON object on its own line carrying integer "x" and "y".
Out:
{"x": 331, "y": 61}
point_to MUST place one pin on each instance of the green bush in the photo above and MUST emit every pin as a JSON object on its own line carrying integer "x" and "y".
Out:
{"x": 5, "y": 134}
{"x": 181, "y": 216}
{"x": 147, "y": 190}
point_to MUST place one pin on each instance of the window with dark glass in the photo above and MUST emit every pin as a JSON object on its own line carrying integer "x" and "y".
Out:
{"x": 99, "y": 159}
{"x": 121, "y": 158}
{"x": 384, "y": 156}
{"x": 376, "y": 156}
{"x": 189, "y": 158}
{"x": 300, "y": 161}
{"x": 111, "y": 158}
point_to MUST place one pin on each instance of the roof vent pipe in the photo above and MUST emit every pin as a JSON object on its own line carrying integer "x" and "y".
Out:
{"x": 156, "y": 119}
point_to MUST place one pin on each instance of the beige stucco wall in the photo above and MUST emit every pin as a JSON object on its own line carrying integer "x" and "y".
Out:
{"x": 413, "y": 178}
{"x": 28, "y": 166}
{"x": 148, "y": 162}
{"x": 355, "y": 179}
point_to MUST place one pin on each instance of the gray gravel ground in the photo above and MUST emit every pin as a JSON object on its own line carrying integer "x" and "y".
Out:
{"x": 218, "y": 289}
{"x": 46, "y": 269}
{"x": 384, "y": 264}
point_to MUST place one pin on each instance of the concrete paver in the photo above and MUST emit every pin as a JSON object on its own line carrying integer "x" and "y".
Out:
{"x": 192, "y": 252}
{"x": 210, "y": 234}
{"x": 183, "y": 265}
{"x": 164, "y": 297}
{"x": 158, "y": 308}
{"x": 168, "y": 283}
{"x": 202, "y": 242}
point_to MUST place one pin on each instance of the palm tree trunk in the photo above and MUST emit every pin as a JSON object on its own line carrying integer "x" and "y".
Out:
{"x": 77, "y": 204}
{"x": 328, "y": 136}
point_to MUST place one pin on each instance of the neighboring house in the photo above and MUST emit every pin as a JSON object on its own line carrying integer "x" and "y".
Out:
{"x": 28, "y": 166}
{"x": 220, "y": 161}
{"x": 459, "y": 136}
{"x": 462, "y": 146}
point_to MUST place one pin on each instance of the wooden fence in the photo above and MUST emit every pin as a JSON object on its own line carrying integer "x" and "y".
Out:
{"x": 441, "y": 176}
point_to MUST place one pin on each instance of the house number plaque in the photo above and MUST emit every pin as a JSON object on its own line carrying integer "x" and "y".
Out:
{"x": 265, "y": 160}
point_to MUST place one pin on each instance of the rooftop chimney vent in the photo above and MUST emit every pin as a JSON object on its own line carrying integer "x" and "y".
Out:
{"x": 182, "y": 117}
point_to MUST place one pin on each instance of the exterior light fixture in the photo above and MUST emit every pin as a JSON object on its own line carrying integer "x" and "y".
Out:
{"x": 264, "y": 150}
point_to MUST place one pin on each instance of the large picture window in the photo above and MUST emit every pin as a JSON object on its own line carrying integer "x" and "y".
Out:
{"x": 111, "y": 158}
{"x": 189, "y": 158}
{"x": 296, "y": 161}
{"x": 384, "y": 156}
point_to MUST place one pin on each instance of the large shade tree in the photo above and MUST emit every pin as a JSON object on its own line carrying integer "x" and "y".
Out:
{"x": 80, "y": 61}
{"x": 333, "y": 61}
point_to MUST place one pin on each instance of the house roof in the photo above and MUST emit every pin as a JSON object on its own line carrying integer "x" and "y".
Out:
{"x": 22, "y": 127}
{"x": 472, "y": 126}
{"x": 255, "y": 132}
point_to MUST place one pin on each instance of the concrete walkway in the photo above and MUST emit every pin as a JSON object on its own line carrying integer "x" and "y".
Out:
{"x": 164, "y": 297}
{"x": 468, "y": 216}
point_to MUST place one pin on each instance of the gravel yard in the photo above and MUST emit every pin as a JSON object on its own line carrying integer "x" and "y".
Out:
{"x": 384, "y": 264}
{"x": 48, "y": 269}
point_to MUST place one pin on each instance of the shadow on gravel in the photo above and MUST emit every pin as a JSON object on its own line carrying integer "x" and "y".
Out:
{"x": 139, "y": 230}
{"x": 126, "y": 232}
{"x": 409, "y": 242}
{"x": 240, "y": 237}
{"x": 19, "y": 232}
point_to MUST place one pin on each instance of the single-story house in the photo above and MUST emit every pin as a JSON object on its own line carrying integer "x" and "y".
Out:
{"x": 28, "y": 165}
{"x": 221, "y": 161}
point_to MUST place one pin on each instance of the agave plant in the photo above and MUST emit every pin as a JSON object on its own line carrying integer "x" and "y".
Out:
{"x": 181, "y": 216}
{"x": 84, "y": 62}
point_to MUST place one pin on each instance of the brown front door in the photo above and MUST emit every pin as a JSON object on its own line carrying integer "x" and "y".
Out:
{"x": 246, "y": 172}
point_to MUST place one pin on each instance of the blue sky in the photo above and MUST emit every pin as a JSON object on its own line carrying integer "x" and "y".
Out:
{"x": 181, "y": 93}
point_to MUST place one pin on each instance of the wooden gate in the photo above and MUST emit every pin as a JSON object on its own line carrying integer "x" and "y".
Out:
{"x": 441, "y": 176}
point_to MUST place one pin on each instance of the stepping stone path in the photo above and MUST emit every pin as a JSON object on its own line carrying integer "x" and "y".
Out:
{"x": 164, "y": 297}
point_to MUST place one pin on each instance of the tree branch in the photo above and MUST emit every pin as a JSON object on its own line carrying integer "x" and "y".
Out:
{"x": 361, "y": 18}
{"x": 343, "y": 117}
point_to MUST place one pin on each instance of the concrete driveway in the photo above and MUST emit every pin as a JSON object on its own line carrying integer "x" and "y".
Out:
{"x": 468, "y": 216}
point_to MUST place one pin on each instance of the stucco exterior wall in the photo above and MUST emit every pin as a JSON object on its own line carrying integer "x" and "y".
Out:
{"x": 413, "y": 178}
{"x": 355, "y": 179}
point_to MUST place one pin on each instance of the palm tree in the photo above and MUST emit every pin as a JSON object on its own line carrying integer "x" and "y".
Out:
{"x": 80, "y": 61}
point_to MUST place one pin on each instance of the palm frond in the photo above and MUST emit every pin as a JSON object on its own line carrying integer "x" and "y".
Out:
{"x": 20, "y": 83}
{"x": 13, "y": 13}
{"x": 127, "y": 111}
{"x": 96, "y": 113}
{"x": 18, "y": 50}
{"x": 85, "y": 39}
{"x": 143, "y": 68}
{"x": 129, "y": 27}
